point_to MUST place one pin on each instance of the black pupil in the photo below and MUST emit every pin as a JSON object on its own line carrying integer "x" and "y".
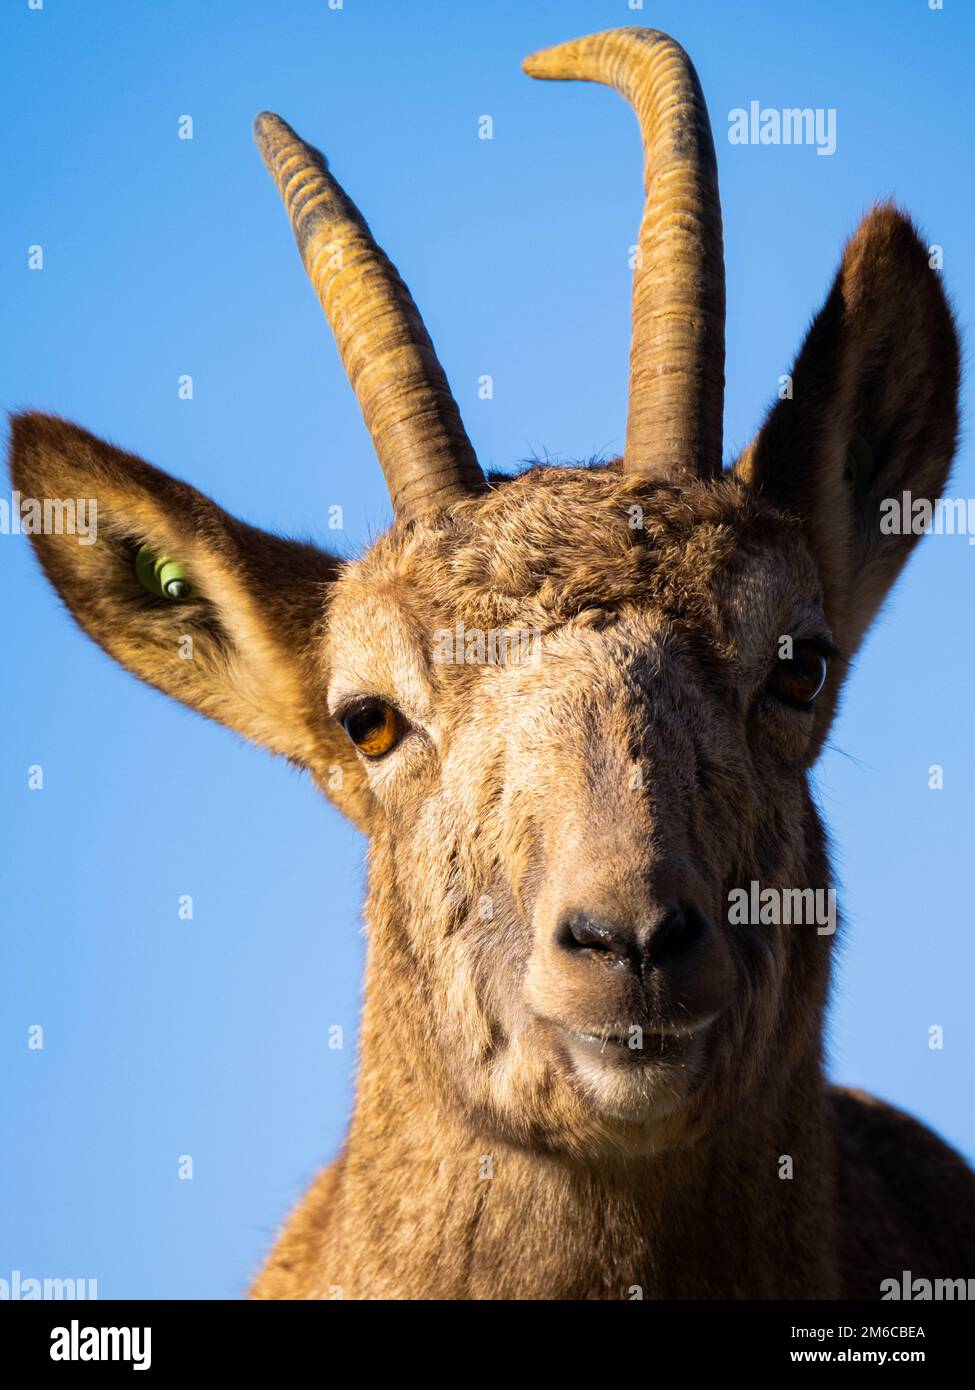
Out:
{"x": 362, "y": 723}
{"x": 803, "y": 675}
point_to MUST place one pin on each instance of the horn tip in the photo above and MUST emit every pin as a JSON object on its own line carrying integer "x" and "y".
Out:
{"x": 587, "y": 57}
{"x": 267, "y": 121}
{"x": 272, "y": 133}
{"x": 576, "y": 58}
{"x": 275, "y": 139}
{"x": 547, "y": 62}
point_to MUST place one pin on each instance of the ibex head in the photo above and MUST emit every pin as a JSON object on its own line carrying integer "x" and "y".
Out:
{"x": 556, "y": 828}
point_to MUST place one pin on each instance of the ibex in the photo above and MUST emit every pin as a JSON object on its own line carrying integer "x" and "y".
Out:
{"x": 579, "y": 1078}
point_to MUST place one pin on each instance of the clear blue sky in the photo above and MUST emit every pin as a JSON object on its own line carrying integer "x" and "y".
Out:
{"x": 165, "y": 257}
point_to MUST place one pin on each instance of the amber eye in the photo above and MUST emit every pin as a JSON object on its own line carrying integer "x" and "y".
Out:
{"x": 374, "y": 727}
{"x": 798, "y": 679}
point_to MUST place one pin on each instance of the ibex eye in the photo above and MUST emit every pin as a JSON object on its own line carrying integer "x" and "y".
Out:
{"x": 374, "y": 727}
{"x": 798, "y": 679}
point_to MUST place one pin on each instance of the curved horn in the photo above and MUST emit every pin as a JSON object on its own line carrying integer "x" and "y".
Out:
{"x": 409, "y": 411}
{"x": 677, "y": 352}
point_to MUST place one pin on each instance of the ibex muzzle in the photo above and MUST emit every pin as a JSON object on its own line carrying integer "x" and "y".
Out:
{"x": 629, "y": 964}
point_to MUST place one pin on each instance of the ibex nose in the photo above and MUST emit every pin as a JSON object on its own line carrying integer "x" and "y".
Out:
{"x": 667, "y": 942}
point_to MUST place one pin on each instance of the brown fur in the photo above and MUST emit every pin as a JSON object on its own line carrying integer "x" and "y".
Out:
{"x": 487, "y": 1157}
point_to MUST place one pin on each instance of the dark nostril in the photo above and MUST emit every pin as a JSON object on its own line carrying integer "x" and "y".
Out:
{"x": 579, "y": 932}
{"x": 676, "y": 936}
{"x": 669, "y": 943}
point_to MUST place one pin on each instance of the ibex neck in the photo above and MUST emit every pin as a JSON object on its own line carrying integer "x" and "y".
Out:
{"x": 427, "y": 1209}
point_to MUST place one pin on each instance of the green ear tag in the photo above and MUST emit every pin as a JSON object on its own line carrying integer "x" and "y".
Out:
{"x": 859, "y": 463}
{"x": 161, "y": 576}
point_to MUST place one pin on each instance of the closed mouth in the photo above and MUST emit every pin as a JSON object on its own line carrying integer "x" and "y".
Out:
{"x": 638, "y": 1043}
{"x": 616, "y": 1038}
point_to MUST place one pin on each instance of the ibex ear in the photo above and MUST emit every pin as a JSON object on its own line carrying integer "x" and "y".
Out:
{"x": 236, "y": 641}
{"x": 873, "y": 414}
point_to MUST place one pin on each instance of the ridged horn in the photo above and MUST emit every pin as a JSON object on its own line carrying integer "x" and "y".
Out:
{"x": 401, "y": 388}
{"x": 674, "y": 421}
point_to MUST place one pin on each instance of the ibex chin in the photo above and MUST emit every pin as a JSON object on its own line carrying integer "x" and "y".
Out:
{"x": 579, "y": 1077}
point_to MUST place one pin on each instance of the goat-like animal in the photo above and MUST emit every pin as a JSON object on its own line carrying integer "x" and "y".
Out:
{"x": 580, "y": 1076}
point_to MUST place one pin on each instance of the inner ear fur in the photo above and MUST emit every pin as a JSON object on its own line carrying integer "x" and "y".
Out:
{"x": 874, "y": 413}
{"x": 259, "y": 601}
